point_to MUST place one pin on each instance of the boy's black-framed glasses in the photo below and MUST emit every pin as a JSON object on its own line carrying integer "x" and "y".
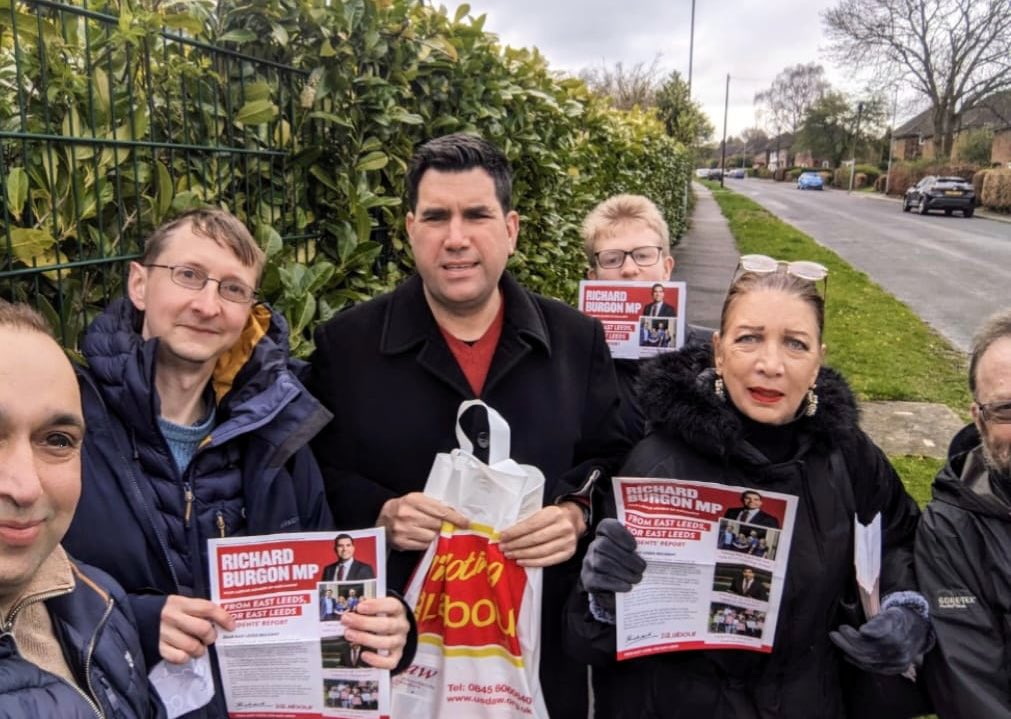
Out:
{"x": 646, "y": 256}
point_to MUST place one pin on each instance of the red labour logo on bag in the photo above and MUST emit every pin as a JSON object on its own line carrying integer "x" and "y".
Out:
{"x": 472, "y": 594}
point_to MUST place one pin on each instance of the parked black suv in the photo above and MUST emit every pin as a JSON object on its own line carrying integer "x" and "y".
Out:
{"x": 940, "y": 193}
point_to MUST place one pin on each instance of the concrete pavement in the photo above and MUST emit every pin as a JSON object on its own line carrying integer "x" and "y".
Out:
{"x": 706, "y": 259}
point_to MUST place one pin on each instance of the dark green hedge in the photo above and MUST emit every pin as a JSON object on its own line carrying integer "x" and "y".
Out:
{"x": 373, "y": 79}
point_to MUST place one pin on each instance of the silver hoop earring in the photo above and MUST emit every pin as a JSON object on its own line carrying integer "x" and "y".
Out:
{"x": 812, "y": 403}
{"x": 719, "y": 389}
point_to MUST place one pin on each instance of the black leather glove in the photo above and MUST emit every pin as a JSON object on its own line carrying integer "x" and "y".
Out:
{"x": 611, "y": 564}
{"x": 887, "y": 643}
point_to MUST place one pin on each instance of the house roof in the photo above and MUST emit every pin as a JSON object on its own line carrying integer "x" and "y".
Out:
{"x": 920, "y": 125}
{"x": 993, "y": 112}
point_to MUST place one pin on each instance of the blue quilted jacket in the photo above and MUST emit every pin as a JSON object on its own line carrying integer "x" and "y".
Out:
{"x": 145, "y": 522}
{"x": 95, "y": 628}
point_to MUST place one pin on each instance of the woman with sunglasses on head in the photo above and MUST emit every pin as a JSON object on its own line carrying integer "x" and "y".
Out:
{"x": 759, "y": 410}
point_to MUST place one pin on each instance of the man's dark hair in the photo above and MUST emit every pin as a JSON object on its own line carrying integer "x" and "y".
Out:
{"x": 457, "y": 153}
{"x": 746, "y": 492}
{"x": 656, "y": 286}
{"x": 341, "y": 536}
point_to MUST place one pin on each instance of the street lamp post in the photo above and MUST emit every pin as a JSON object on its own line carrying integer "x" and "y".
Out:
{"x": 691, "y": 50}
{"x": 891, "y": 140}
{"x": 856, "y": 139}
{"x": 691, "y": 150}
{"x": 726, "y": 109}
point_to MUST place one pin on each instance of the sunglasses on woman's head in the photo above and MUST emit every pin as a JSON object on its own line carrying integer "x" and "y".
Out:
{"x": 803, "y": 269}
{"x": 763, "y": 265}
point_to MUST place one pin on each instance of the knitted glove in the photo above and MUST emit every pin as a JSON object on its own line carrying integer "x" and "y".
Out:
{"x": 610, "y": 565}
{"x": 891, "y": 641}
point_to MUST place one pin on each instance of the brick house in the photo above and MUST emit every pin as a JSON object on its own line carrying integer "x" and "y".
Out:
{"x": 914, "y": 140}
{"x": 777, "y": 151}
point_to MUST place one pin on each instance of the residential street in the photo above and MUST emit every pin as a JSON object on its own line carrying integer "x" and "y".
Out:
{"x": 951, "y": 271}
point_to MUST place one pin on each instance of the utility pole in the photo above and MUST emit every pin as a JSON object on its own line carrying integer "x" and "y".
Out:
{"x": 691, "y": 50}
{"x": 691, "y": 149}
{"x": 891, "y": 140}
{"x": 726, "y": 109}
{"x": 856, "y": 139}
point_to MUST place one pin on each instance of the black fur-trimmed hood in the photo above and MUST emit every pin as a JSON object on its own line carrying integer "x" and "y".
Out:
{"x": 676, "y": 393}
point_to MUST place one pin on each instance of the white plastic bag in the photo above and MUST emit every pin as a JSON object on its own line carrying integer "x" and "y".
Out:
{"x": 478, "y": 613}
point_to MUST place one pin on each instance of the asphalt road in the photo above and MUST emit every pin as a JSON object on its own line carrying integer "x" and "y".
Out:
{"x": 951, "y": 271}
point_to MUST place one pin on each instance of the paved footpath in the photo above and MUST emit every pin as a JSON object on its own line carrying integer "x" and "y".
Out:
{"x": 707, "y": 259}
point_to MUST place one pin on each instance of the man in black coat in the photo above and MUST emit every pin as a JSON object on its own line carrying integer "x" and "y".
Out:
{"x": 751, "y": 511}
{"x": 346, "y": 568}
{"x": 395, "y": 370}
{"x": 746, "y": 584}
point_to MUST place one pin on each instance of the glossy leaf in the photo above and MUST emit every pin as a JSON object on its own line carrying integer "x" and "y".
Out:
{"x": 256, "y": 112}
{"x": 239, "y": 35}
{"x": 372, "y": 161}
{"x": 29, "y": 243}
{"x": 17, "y": 191}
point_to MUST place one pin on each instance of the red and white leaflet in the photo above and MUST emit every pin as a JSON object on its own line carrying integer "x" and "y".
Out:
{"x": 716, "y": 560}
{"x": 641, "y": 319}
{"x": 288, "y": 657}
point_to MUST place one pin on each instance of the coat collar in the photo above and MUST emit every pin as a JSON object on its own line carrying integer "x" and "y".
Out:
{"x": 409, "y": 321}
{"x": 965, "y": 480}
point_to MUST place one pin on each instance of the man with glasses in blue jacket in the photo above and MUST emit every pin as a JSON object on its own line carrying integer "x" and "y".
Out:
{"x": 198, "y": 428}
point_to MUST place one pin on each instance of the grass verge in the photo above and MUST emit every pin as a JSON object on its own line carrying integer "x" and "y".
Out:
{"x": 917, "y": 474}
{"x": 884, "y": 350}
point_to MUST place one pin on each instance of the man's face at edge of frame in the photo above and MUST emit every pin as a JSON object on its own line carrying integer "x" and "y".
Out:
{"x": 993, "y": 384}
{"x": 41, "y": 433}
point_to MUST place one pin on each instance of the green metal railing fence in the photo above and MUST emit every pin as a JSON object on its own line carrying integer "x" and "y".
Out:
{"x": 107, "y": 127}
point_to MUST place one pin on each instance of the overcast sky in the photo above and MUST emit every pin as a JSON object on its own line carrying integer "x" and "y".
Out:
{"x": 751, "y": 40}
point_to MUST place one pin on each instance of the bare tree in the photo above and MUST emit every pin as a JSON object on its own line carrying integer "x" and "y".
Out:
{"x": 794, "y": 90}
{"x": 627, "y": 87}
{"x": 755, "y": 140}
{"x": 954, "y": 52}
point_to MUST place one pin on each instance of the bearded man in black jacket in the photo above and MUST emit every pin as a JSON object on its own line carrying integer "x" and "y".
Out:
{"x": 962, "y": 560}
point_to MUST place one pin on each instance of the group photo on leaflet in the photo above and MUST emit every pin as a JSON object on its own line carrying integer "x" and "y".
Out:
{"x": 357, "y": 362}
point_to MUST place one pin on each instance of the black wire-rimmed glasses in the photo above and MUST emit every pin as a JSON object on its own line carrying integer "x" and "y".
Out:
{"x": 643, "y": 256}
{"x": 995, "y": 412}
{"x": 195, "y": 279}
